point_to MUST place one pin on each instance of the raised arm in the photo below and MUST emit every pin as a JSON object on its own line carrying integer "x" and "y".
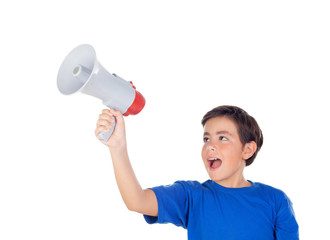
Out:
{"x": 136, "y": 199}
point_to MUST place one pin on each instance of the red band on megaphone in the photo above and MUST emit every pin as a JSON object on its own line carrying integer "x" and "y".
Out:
{"x": 137, "y": 105}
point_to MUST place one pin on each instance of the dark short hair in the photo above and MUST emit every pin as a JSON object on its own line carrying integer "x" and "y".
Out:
{"x": 247, "y": 127}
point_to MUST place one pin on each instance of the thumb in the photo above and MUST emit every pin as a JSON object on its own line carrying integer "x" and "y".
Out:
{"x": 118, "y": 115}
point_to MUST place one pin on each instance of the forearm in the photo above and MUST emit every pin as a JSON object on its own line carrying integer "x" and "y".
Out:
{"x": 128, "y": 185}
{"x": 135, "y": 198}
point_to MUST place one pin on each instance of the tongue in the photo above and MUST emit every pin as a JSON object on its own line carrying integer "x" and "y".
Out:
{"x": 216, "y": 163}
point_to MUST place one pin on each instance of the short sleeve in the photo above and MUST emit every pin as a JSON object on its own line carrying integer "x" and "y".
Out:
{"x": 173, "y": 205}
{"x": 286, "y": 226}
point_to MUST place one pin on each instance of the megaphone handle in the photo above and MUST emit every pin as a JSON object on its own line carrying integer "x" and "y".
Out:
{"x": 104, "y": 136}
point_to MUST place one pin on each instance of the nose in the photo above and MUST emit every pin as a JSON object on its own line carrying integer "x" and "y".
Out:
{"x": 210, "y": 148}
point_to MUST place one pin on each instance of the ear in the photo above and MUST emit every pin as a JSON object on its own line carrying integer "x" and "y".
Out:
{"x": 249, "y": 149}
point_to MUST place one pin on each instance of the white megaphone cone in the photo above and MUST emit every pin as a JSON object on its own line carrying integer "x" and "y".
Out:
{"x": 80, "y": 71}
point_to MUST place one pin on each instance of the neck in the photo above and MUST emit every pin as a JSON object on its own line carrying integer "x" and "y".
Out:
{"x": 237, "y": 183}
{"x": 236, "y": 180}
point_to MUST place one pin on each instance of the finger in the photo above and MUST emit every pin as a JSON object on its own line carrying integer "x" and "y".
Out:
{"x": 107, "y": 117}
{"x": 111, "y": 111}
{"x": 104, "y": 123}
{"x": 101, "y": 129}
{"x": 106, "y": 111}
{"x": 117, "y": 114}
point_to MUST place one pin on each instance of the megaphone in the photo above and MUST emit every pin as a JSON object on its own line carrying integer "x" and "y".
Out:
{"x": 81, "y": 72}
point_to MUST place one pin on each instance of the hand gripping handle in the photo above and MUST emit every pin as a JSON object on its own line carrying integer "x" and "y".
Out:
{"x": 104, "y": 136}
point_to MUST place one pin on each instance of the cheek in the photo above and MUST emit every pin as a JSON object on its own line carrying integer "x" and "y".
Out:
{"x": 231, "y": 152}
{"x": 203, "y": 151}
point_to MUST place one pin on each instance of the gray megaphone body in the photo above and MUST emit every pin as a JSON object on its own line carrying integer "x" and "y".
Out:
{"x": 81, "y": 72}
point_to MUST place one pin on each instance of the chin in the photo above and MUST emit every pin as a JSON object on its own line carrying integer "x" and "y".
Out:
{"x": 215, "y": 178}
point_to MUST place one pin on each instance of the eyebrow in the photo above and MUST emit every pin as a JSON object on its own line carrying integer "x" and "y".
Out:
{"x": 218, "y": 133}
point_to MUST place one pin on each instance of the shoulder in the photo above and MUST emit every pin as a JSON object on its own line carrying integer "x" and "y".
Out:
{"x": 286, "y": 226}
{"x": 268, "y": 189}
{"x": 194, "y": 185}
{"x": 190, "y": 186}
{"x": 275, "y": 195}
{"x": 179, "y": 187}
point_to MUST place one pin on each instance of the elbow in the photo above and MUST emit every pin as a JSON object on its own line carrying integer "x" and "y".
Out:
{"x": 139, "y": 204}
{"x": 130, "y": 208}
{"x": 133, "y": 207}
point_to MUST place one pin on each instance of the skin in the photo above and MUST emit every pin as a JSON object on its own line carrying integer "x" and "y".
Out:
{"x": 221, "y": 140}
{"x": 136, "y": 199}
{"x": 144, "y": 201}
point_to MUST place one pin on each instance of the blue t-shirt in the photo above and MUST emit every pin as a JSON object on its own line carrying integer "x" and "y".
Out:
{"x": 211, "y": 211}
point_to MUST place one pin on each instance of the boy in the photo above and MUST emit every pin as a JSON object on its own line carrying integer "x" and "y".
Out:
{"x": 226, "y": 207}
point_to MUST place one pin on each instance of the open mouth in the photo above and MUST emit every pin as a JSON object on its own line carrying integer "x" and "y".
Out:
{"x": 214, "y": 163}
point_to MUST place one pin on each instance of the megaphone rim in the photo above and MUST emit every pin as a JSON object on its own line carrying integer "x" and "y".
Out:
{"x": 78, "y": 48}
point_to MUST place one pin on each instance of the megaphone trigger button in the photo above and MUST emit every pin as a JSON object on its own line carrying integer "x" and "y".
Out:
{"x": 132, "y": 85}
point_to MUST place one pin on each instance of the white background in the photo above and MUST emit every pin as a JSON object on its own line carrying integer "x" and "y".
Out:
{"x": 269, "y": 57}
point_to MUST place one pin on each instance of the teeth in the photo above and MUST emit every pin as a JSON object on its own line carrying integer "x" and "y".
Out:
{"x": 212, "y": 159}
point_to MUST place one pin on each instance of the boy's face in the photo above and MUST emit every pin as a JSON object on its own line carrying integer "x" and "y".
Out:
{"x": 223, "y": 153}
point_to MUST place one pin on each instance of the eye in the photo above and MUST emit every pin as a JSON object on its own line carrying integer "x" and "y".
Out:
{"x": 205, "y": 139}
{"x": 222, "y": 138}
